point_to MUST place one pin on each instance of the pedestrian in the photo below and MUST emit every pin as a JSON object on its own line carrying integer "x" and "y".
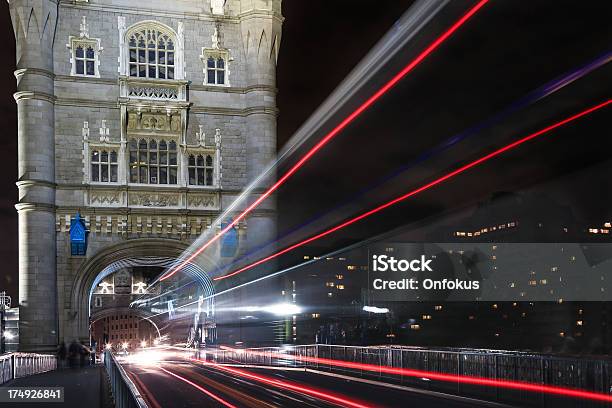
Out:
{"x": 61, "y": 355}
{"x": 83, "y": 354}
{"x": 73, "y": 353}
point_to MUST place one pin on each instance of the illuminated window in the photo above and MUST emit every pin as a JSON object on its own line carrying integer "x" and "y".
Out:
{"x": 426, "y": 317}
{"x": 329, "y": 294}
{"x": 579, "y": 322}
{"x": 316, "y": 315}
{"x": 340, "y": 287}
{"x": 415, "y": 326}
{"x": 351, "y": 267}
{"x": 339, "y": 277}
{"x": 438, "y": 307}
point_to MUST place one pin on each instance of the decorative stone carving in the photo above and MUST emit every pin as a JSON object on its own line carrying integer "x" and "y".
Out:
{"x": 201, "y": 201}
{"x": 154, "y": 122}
{"x": 149, "y": 92}
{"x": 154, "y": 199}
{"x": 84, "y": 28}
{"x": 85, "y": 131}
{"x": 104, "y": 133}
{"x": 105, "y": 198}
{"x": 201, "y": 136}
{"x": 216, "y": 6}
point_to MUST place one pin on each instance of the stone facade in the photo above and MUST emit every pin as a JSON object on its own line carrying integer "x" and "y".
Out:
{"x": 87, "y": 96}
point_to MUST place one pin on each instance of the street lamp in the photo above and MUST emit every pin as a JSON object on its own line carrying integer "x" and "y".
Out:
{"x": 143, "y": 344}
{"x": 124, "y": 346}
{"x": 108, "y": 346}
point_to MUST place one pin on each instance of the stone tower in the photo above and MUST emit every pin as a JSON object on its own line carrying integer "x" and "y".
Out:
{"x": 143, "y": 124}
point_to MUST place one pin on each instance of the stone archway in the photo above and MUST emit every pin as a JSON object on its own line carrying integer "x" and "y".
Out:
{"x": 75, "y": 319}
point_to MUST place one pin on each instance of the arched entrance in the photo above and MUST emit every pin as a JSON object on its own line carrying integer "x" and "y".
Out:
{"x": 77, "y": 317}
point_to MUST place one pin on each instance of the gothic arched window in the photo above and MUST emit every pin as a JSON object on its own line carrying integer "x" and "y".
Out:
{"x": 153, "y": 162}
{"x": 201, "y": 170}
{"x": 151, "y": 54}
{"x": 104, "y": 166}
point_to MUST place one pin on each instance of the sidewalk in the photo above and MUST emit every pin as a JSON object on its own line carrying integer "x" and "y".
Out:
{"x": 83, "y": 387}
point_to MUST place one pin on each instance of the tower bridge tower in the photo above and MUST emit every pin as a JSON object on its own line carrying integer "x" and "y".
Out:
{"x": 147, "y": 123}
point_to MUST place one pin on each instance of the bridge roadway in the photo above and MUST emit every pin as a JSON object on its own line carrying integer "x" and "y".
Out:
{"x": 169, "y": 384}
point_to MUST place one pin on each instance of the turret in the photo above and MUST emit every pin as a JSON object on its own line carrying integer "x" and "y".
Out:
{"x": 34, "y": 23}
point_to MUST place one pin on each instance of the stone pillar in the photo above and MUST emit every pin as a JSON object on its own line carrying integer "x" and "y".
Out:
{"x": 260, "y": 25}
{"x": 34, "y": 24}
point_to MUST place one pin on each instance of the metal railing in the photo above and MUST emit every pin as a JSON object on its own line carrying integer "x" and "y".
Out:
{"x": 16, "y": 365}
{"x": 125, "y": 393}
{"x": 588, "y": 374}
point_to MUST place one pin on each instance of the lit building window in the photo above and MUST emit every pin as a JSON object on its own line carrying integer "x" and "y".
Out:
{"x": 329, "y": 294}
{"x": 104, "y": 166}
{"x": 340, "y": 287}
{"x": 415, "y": 327}
{"x": 153, "y": 162}
{"x": 438, "y": 307}
{"x": 426, "y": 317}
{"x": 316, "y": 315}
{"x": 579, "y": 323}
{"x": 201, "y": 170}
{"x": 339, "y": 277}
{"x": 351, "y": 267}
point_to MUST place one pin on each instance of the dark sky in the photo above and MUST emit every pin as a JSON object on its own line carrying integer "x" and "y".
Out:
{"x": 508, "y": 49}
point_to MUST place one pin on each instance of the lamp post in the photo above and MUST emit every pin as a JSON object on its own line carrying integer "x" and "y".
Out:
{"x": 5, "y": 303}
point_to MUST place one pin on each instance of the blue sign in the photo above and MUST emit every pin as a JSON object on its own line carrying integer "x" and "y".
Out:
{"x": 78, "y": 236}
{"x": 229, "y": 242}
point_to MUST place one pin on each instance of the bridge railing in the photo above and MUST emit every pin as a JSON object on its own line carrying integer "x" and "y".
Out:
{"x": 125, "y": 393}
{"x": 588, "y": 374}
{"x": 16, "y": 365}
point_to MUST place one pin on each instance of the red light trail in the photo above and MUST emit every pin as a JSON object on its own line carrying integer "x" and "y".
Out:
{"x": 288, "y": 385}
{"x": 204, "y": 390}
{"x": 335, "y": 131}
{"x": 516, "y": 385}
{"x": 418, "y": 190}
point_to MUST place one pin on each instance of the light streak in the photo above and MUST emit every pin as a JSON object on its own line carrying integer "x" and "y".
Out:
{"x": 420, "y": 189}
{"x": 200, "y": 388}
{"x": 288, "y": 385}
{"x": 334, "y": 132}
{"x": 431, "y": 375}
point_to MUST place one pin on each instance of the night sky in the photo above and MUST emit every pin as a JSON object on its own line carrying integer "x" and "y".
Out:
{"x": 507, "y": 50}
